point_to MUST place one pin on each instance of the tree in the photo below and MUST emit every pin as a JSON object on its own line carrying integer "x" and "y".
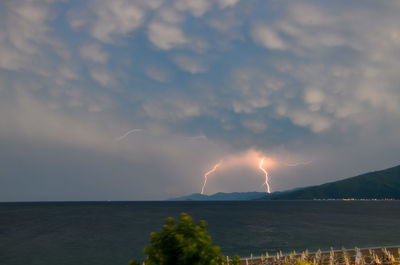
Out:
{"x": 182, "y": 244}
{"x": 236, "y": 260}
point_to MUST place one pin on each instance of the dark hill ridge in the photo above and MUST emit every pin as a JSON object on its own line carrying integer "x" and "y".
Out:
{"x": 232, "y": 196}
{"x": 222, "y": 196}
{"x": 374, "y": 185}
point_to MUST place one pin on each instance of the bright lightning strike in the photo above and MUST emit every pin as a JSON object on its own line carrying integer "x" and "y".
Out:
{"x": 208, "y": 173}
{"x": 126, "y": 134}
{"x": 268, "y": 189}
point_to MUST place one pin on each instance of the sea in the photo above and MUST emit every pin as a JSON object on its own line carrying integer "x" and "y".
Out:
{"x": 112, "y": 233}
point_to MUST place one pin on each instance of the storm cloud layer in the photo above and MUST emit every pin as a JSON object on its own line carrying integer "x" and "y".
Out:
{"x": 133, "y": 100}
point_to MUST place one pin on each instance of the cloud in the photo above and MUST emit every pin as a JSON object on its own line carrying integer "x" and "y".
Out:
{"x": 67, "y": 73}
{"x": 197, "y": 7}
{"x": 255, "y": 125}
{"x": 170, "y": 15}
{"x": 101, "y": 76}
{"x": 10, "y": 59}
{"x": 29, "y": 25}
{"x": 165, "y": 36}
{"x": 158, "y": 74}
{"x": 314, "y": 98}
{"x": 229, "y": 23}
{"x": 106, "y": 19}
{"x": 24, "y": 29}
{"x": 227, "y": 3}
{"x": 189, "y": 64}
{"x": 172, "y": 108}
{"x": 35, "y": 120}
{"x": 253, "y": 89}
{"x": 316, "y": 122}
{"x": 267, "y": 37}
{"x": 336, "y": 91}
{"x": 94, "y": 53}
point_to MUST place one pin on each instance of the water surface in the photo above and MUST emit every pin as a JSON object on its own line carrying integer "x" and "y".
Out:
{"x": 80, "y": 233}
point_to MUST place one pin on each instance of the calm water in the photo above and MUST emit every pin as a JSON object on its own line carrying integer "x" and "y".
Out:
{"x": 114, "y": 232}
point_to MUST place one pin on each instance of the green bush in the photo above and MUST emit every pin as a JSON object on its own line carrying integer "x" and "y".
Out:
{"x": 134, "y": 262}
{"x": 235, "y": 260}
{"x": 183, "y": 244}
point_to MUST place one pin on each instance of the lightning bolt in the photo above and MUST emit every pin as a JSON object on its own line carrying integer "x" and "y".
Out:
{"x": 208, "y": 173}
{"x": 268, "y": 190}
{"x": 126, "y": 134}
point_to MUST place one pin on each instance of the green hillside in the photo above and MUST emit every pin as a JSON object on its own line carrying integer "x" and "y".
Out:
{"x": 374, "y": 185}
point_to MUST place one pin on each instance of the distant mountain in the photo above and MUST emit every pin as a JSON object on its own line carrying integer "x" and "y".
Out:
{"x": 374, "y": 185}
{"x": 221, "y": 196}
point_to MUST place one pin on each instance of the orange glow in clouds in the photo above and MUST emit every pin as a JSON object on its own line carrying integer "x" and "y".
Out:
{"x": 251, "y": 159}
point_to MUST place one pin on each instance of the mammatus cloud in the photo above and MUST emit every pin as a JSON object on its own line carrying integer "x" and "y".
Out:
{"x": 107, "y": 19}
{"x": 93, "y": 53}
{"x": 227, "y": 3}
{"x": 165, "y": 36}
{"x": 24, "y": 33}
{"x": 158, "y": 73}
{"x": 68, "y": 73}
{"x": 190, "y": 65}
{"x": 255, "y": 125}
{"x": 196, "y": 7}
{"x": 267, "y": 37}
{"x": 101, "y": 76}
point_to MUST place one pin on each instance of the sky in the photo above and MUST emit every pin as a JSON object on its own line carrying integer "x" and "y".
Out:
{"x": 137, "y": 100}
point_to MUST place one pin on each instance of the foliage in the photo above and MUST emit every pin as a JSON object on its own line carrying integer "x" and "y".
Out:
{"x": 182, "y": 244}
{"x": 134, "y": 262}
{"x": 235, "y": 260}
